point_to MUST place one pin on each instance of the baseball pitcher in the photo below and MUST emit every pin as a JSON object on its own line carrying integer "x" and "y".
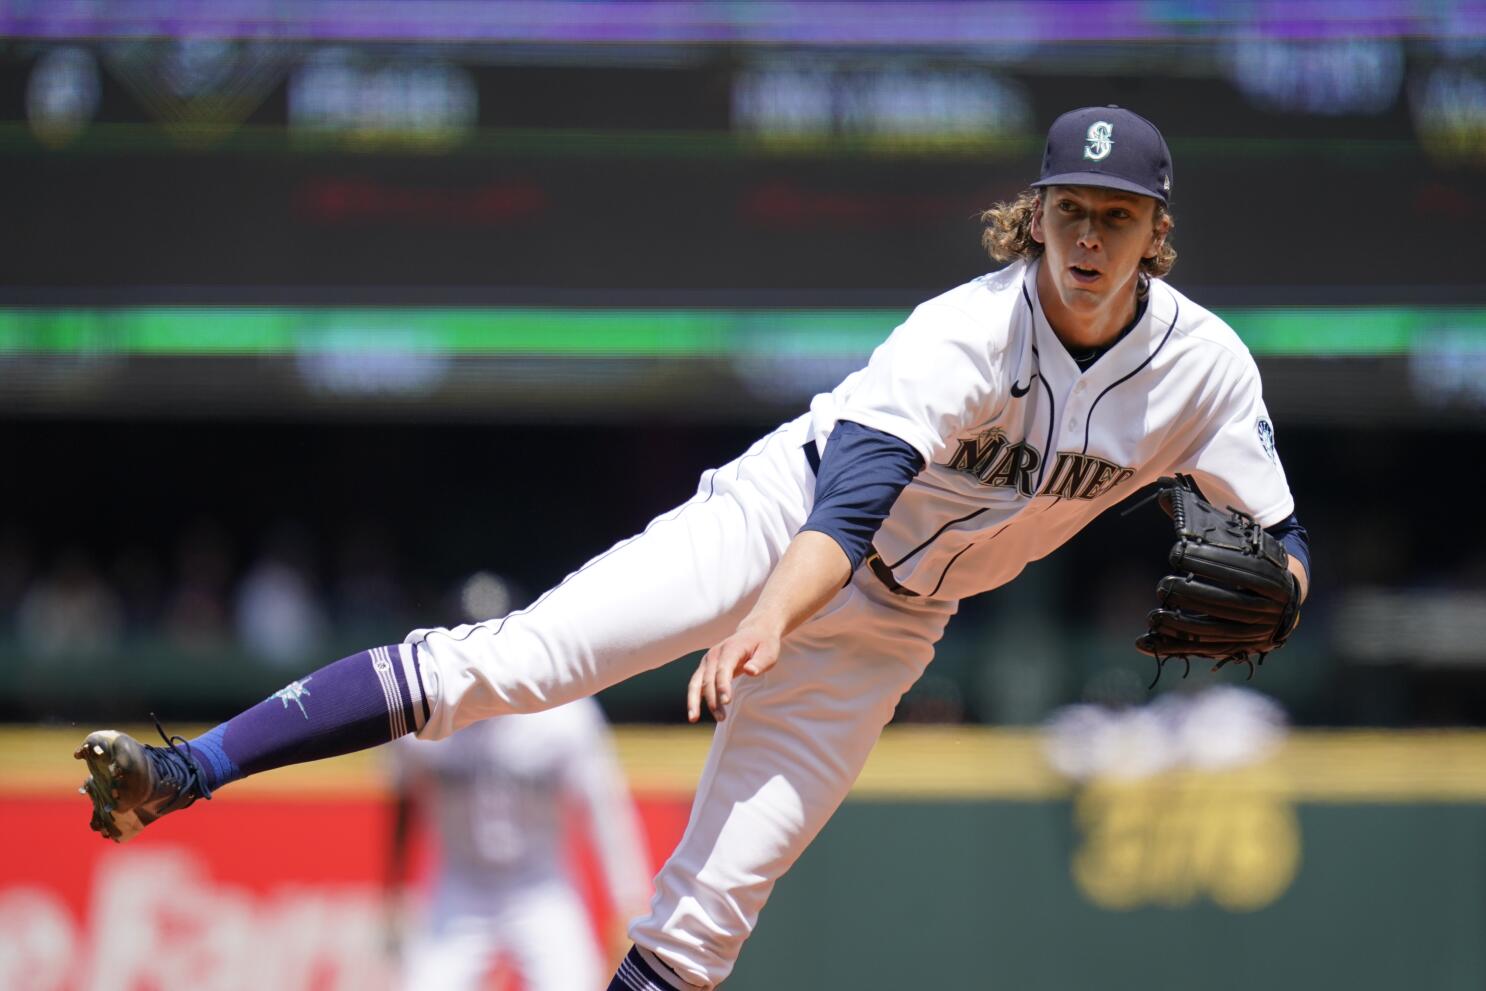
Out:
{"x": 821, "y": 566}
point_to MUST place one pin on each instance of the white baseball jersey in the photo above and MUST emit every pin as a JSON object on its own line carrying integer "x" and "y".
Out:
{"x": 1021, "y": 451}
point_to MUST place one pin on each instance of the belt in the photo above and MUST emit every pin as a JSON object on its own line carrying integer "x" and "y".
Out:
{"x": 885, "y": 575}
{"x": 873, "y": 560}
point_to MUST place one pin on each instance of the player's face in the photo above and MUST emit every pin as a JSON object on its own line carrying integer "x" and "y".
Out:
{"x": 1093, "y": 241}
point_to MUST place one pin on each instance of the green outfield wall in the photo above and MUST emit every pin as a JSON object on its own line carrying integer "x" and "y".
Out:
{"x": 1187, "y": 893}
{"x": 1346, "y": 859}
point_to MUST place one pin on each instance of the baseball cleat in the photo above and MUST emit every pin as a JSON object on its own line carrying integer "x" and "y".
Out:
{"x": 132, "y": 784}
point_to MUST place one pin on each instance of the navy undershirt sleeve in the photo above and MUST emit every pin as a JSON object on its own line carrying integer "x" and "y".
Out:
{"x": 1297, "y": 542}
{"x": 859, "y": 479}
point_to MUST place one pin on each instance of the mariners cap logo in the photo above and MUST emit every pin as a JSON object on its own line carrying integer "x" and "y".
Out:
{"x": 1101, "y": 141}
{"x": 1080, "y": 151}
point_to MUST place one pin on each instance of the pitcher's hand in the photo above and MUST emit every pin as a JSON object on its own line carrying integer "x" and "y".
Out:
{"x": 749, "y": 651}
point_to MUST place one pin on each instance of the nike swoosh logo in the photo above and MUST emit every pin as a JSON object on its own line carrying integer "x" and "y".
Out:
{"x": 1019, "y": 393}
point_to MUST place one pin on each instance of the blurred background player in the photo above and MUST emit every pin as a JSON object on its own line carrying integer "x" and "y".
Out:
{"x": 500, "y": 794}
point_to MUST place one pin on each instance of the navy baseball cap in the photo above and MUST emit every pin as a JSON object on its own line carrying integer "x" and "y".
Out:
{"x": 1110, "y": 147}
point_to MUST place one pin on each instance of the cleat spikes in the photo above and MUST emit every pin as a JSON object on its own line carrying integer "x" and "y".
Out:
{"x": 130, "y": 784}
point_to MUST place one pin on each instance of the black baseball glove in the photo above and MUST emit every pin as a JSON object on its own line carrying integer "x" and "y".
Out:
{"x": 1232, "y": 598}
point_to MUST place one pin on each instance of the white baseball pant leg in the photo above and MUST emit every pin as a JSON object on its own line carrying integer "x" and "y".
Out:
{"x": 794, "y": 740}
{"x": 542, "y": 929}
{"x": 547, "y": 934}
{"x": 452, "y": 947}
{"x": 681, "y": 585}
{"x": 793, "y": 743}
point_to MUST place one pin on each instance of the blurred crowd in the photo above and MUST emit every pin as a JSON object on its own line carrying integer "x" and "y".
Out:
{"x": 1392, "y": 636}
{"x": 279, "y": 598}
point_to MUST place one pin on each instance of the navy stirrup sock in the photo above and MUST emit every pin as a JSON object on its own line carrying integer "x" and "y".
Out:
{"x": 635, "y": 974}
{"x": 357, "y": 702}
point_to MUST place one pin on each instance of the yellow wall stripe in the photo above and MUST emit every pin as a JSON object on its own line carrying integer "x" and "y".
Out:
{"x": 909, "y": 763}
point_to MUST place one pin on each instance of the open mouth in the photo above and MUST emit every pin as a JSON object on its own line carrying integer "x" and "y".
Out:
{"x": 1084, "y": 274}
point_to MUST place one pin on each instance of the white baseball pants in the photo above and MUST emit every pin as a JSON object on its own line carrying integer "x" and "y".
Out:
{"x": 540, "y": 929}
{"x": 794, "y": 740}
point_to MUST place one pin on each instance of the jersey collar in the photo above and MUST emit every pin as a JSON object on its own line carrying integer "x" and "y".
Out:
{"x": 1125, "y": 355}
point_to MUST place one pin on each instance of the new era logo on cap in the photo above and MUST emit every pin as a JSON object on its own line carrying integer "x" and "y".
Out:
{"x": 1110, "y": 147}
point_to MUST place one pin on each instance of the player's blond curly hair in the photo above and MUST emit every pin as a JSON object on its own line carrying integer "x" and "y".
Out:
{"x": 1008, "y": 233}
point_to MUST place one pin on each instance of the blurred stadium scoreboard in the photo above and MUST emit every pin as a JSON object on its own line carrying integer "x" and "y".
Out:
{"x": 329, "y": 188}
{"x": 760, "y": 147}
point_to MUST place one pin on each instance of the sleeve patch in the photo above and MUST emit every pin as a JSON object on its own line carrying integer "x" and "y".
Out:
{"x": 1266, "y": 437}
